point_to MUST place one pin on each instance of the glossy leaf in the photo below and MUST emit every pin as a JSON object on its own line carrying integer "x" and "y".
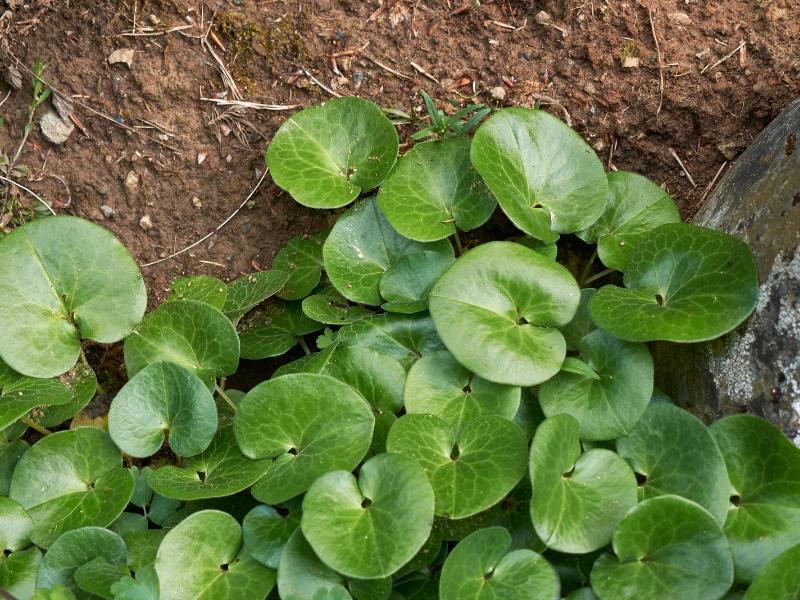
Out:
{"x": 202, "y": 288}
{"x": 326, "y": 155}
{"x": 408, "y": 282}
{"x": 578, "y": 499}
{"x": 15, "y": 526}
{"x": 10, "y": 453}
{"x": 26, "y": 393}
{"x": 64, "y": 279}
{"x": 433, "y": 190}
{"x": 301, "y": 258}
{"x": 779, "y": 579}
{"x": 71, "y": 479}
{"x": 545, "y": 177}
{"x": 143, "y": 587}
{"x": 481, "y": 567}
{"x": 267, "y": 530}
{"x": 162, "y": 402}
{"x": 387, "y": 510}
{"x": 497, "y": 309}
{"x": 303, "y": 575}
{"x": 665, "y": 543}
{"x": 18, "y": 572}
{"x": 81, "y": 382}
{"x": 609, "y": 399}
{"x": 581, "y": 324}
{"x": 330, "y": 307}
{"x": 248, "y": 291}
{"x": 683, "y": 283}
{"x": 202, "y": 558}
{"x": 98, "y": 576}
{"x": 469, "y": 470}
{"x": 308, "y": 425}
{"x": 275, "y": 330}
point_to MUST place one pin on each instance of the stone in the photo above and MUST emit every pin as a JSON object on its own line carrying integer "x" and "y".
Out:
{"x": 107, "y": 211}
{"x": 121, "y": 55}
{"x": 146, "y": 222}
{"x": 498, "y": 93}
{"x": 132, "y": 183}
{"x": 543, "y": 18}
{"x": 54, "y": 128}
{"x": 630, "y": 62}
{"x": 756, "y": 368}
{"x": 589, "y": 88}
{"x": 679, "y": 18}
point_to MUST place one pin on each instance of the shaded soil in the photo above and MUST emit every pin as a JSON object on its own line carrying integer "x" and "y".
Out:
{"x": 195, "y": 163}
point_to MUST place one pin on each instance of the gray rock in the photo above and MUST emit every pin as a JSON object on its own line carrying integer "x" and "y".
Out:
{"x": 107, "y": 211}
{"x": 55, "y": 128}
{"x": 755, "y": 369}
{"x": 146, "y": 222}
{"x": 132, "y": 183}
{"x": 122, "y": 55}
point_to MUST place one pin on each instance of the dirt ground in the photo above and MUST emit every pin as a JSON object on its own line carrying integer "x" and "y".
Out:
{"x": 649, "y": 83}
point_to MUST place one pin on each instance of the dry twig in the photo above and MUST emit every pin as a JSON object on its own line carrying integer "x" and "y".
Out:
{"x": 388, "y": 69}
{"x": 660, "y": 67}
{"x": 680, "y": 163}
{"x": 251, "y": 105}
{"x": 724, "y": 58}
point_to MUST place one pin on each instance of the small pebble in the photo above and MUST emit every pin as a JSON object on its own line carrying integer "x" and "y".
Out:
{"x": 543, "y": 18}
{"x": 197, "y": 202}
{"x": 630, "y": 62}
{"x": 132, "y": 182}
{"x": 145, "y": 222}
{"x": 55, "y": 128}
{"x": 498, "y": 93}
{"x": 122, "y": 55}
{"x": 107, "y": 211}
{"x": 589, "y": 88}
{"x": 679, "y": 18}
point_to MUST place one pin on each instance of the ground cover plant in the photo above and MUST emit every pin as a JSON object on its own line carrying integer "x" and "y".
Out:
{"x": 471, "y": 419}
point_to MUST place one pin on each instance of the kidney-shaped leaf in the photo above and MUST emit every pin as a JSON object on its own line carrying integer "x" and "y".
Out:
{"x": 163, "y": 401}
{"x": 470, "y": 470}
{"x": 683, "y": 283}
{"x": 497, "y": 309}
{"x": 202, "y": 558}
{"x": 248, "y": 291}
{"x": 81, "y": 382}
{"x": 267, "y": 529}
{"x": 326, "y": 155}
{"x": 21, "y": 394}
{"x": 434, "y": 189}
{"x": 608, "y": 392}
{"x": 274, "y": 330}
{"x": 71, "y": 479}
{"x": 482, "y": 568}
{"x": 545, "y": 177}
{"x": 581, "y": 324}
{"x": 15, "y": 526}
{"x": 764, "y": 510}
{"x": 18, "y": 572}
{"x": 301, "y": 258}
{"x": 63, "y": 279}
{"x": 407, "y": 283}
{"x": 779, "y": 579}
{"x": 674, "y": 453}
{"x": 578, "y": 499}
{"x": 371, "y": 526}
{"x": 308, "y": 425}
{"x": 326, "y": 305}
{"x": 202, "y": 288}
{"x": 302, "y": 574}
{"x": 665, "y": 544}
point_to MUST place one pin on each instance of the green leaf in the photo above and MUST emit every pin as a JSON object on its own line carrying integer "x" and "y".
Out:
{"x": 545, "y": 176}
{"x": 547, "y": 249}
{"x": 581, "y": 324}
{"x": 248, "y": 291}
{"x": 202, "y": 558}
{"x": 330, "y": 307}
{"x": 71, "y": 479}
{"x": 15, "y": 526}
{"x": 220, "y": 470}
{"x": 676, "y": 454}
{"x": 779, "y": 579}
{"x": 98, "y": 576}
{"x": 142, "y": 547}
{"x": 408, "y": 282}
{"x": 57, "y": 592}
{"x": 665, "y": 544}
{"x": 497, "y": 309}
{"x": 275, "y": 330}
{"x": 63, "y": 279}
{"x": 434, "y": 189}
{"x": 328, "y": 154}
{"x": 582, "y": 594}
{"x": 144, "y": 587}
{"x": 371, "y": 526}
{"x": 163, "y": 402}
{"x": 191, "y": 334}
{"x": 282, "y": 420}
{"x": 202, "y": 288}
{"x": 764, "y": 511}
{"x": 578, "y": 499}
{"x": 128, "y": 522}
{"x": 482, "y": 568}
{"x": 10, "y": 453}
{"x": 302, "y": 574}
{"x": 438, "y": 385}
{"x": 81, "y": 381}
{"x": 26, "y": 393}
{"x": 301, "y": 258}
{"x": 405, "y": 338}
{"x": 267, "y": 529}
{"x": 610, "y": 401}
{"x": 18, "y": 572}
{"x": 635, "y": 207}
{"x": 470, "y": 470}
{"x": 363, "y": 246}
{"x": 683, "y": 283}
{"x": 75, "y": 549}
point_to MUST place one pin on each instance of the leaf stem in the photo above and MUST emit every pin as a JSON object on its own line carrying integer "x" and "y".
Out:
{"x": 34, "y": 425}
{"x": 597, "y": 276}
{"x": 304, "y": 345}
{"x": 225, "y": 397}
{"x": 459, "y": 247}
{"x": 587, "y": 269}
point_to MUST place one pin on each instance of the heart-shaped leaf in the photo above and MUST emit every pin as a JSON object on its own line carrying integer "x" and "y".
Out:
{"x": 578, "y": 499}
{"x": 665, "y": 544}
{"x": 202, "y": 288}
{"x": 98, "y": 576}
{"x": 581, "y": 324}
{"x": 301, "y": 258}
{"x": 545, "y": 177}
{"x": 21, "y": 394}
{"x": 191, "y": 334}
{"x": 497, "y": 309}
{"x": 10, "y": 452}
{"x": 283, "y": 420}
{"x": 779, "y": 579}
{"x": 673, "y": 453}
{"x": 408, "y": 282}
{"x": 388, "y": 511}
{"x": 581, "y": 594}
{"x": 434, "y": 189}
{"x": 248, "y": 291}
{"x": 81, "y": 381}
{"x": 326, "y": 155}
{"x": 220, "y": 470}
{"x": 85, "y": 483}
{"x": 764, "y": 471}
{"x": 635, "y": 207}
{"x": 64, "y": 279}
{"x": 328, "y": 306}
{"x": 683, "y": 283}
{"x": 609, "y": 394}
{"x": 267, "y": 529}
{"x": 362, "y": 247}
{"x": 75, "y": 549}
{"x": 438, "y": 385}
{"x": 15, "y": 526}
{"x": 144, "y": 587}
{"x": 162, "y": 402}
{"x": 469, "y": 470}
{"x": 481, "y": 567}
{"x": 142, "y": 547}
{"x": 202, "y": 557}
{"x": 275, "y": 330}
{"x": 18, "y": 572}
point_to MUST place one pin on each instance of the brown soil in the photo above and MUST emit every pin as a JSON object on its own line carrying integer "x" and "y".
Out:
{"x": 706, "y": 116}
